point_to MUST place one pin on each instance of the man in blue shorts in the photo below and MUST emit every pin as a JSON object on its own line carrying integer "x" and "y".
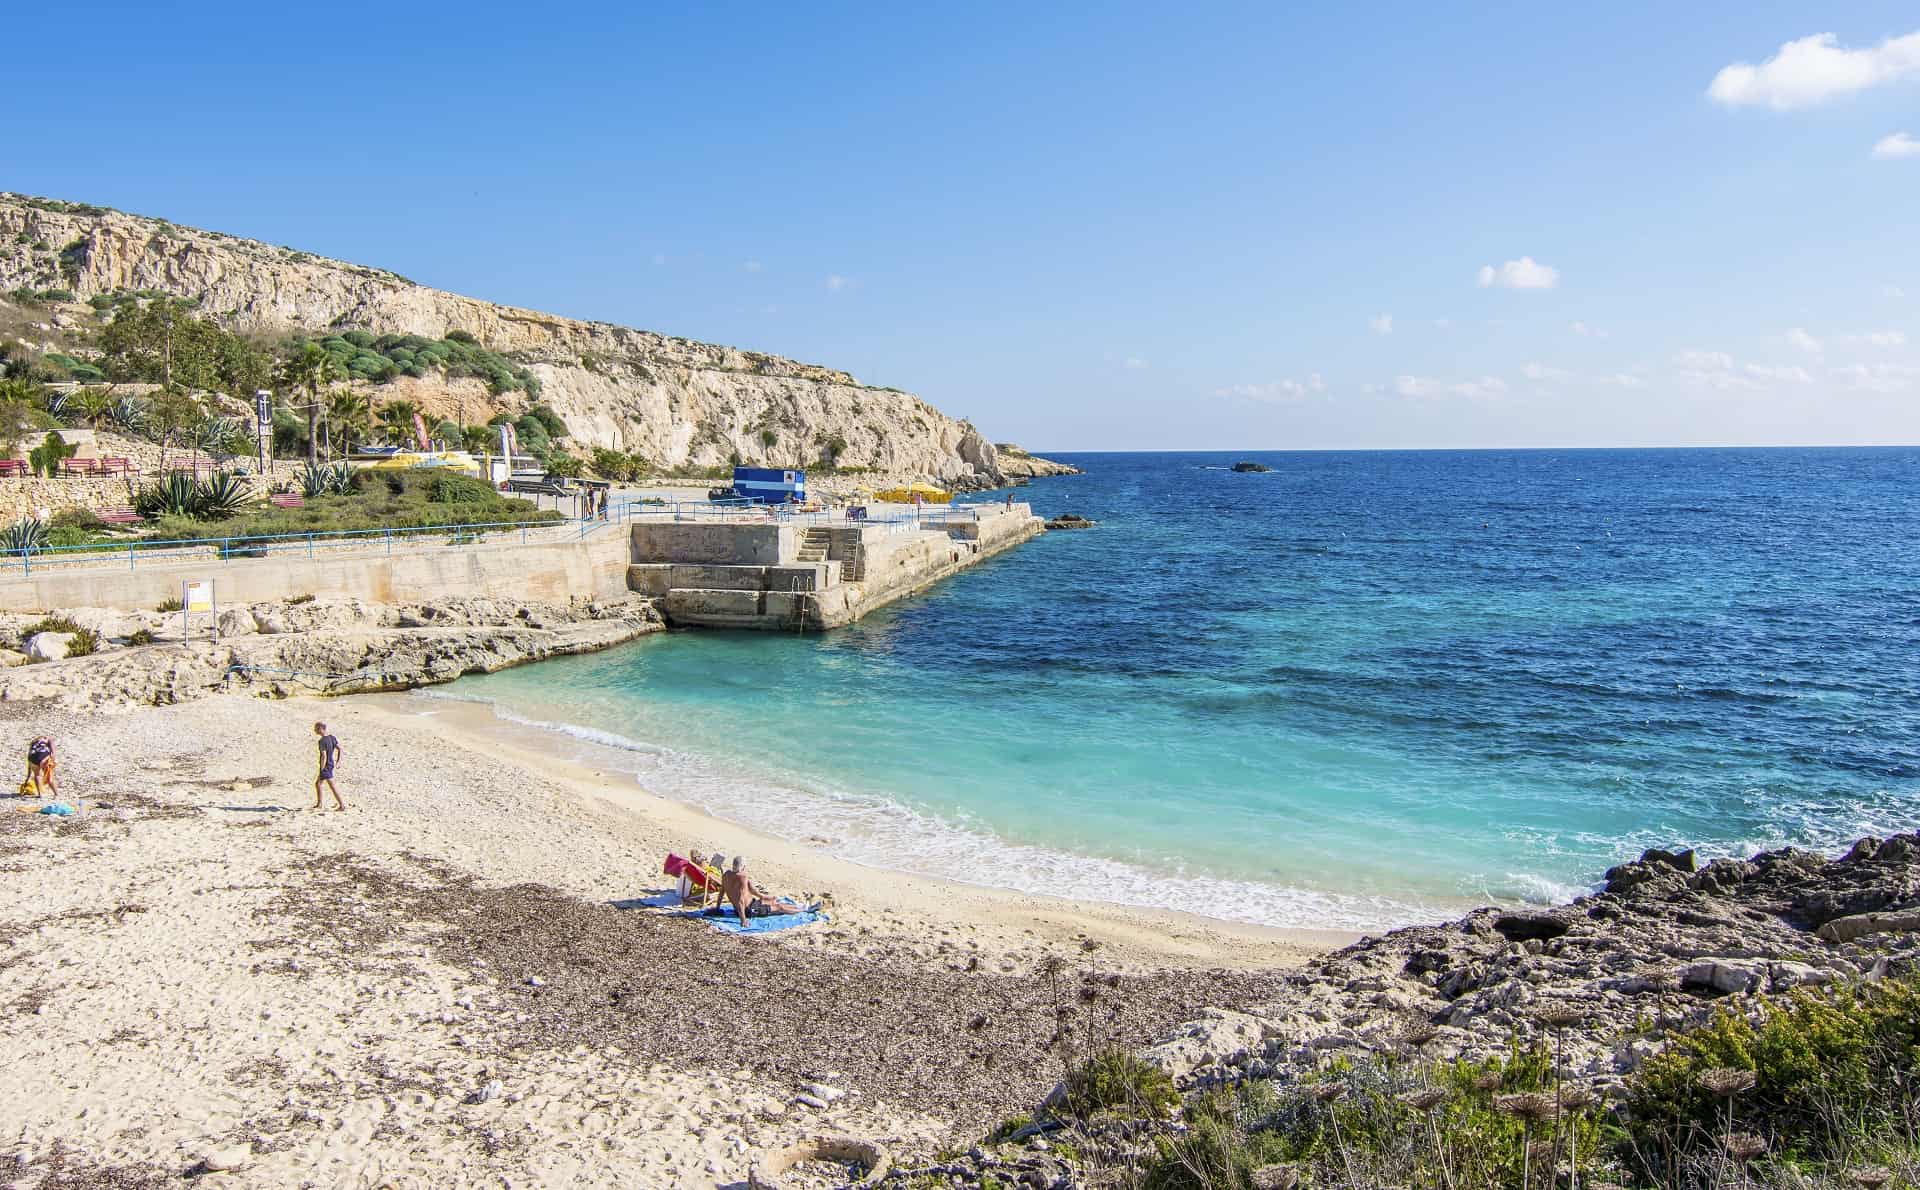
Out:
{"x": 330, "y": 751}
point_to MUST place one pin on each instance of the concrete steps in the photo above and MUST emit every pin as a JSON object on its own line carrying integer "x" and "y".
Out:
{"x": 815, "y": 544}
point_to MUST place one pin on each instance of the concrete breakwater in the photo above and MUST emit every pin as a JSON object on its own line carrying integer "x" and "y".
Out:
{"x": 759, "y": 571}
{"x": 796, "y": 576}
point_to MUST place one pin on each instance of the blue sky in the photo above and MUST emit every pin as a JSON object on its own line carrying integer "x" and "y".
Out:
{"x": 1100, "y": 227}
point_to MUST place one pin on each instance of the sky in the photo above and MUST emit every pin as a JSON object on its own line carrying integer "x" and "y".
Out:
{"x": 1116, "y": 226}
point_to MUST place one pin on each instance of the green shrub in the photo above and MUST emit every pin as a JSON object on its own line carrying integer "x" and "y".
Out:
{"x": 1117, "y": 1079}
{"x": 83, "y": 641}
{"x": 170, "y": 604}
{"x": 45, "y": 459}
{"x": 140, "y": 636}
{"x": 550, "y": 420}
{"x": 448, "y": 488}
{"x": 1826, "y": 1067}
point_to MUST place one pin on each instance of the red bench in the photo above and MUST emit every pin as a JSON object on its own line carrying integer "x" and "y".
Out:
{"x": 13, "y": 466}
{"x": 80, "y": 466}
{"x": 120, "y": 516}
{"x": 287, "y": 500}
{"x": 118, "y": 466}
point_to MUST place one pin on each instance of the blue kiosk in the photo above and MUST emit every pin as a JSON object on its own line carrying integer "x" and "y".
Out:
{"x": 768, "y": 485}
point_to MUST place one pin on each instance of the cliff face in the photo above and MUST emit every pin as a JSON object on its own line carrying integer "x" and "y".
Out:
{"x": 675, "y": 401}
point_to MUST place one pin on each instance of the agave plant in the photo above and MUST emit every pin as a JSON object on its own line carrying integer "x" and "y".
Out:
{"x": 57, "y": 403}
{"x": 130, "y": 414}
{"x": 223, "y": 494}
{"x": 339, "y": 479}
{"x": 221, "y": 437}
{"x": 313, "y": 480}
{"x": 175, "y": 494}
{"x": 23, "y": 537}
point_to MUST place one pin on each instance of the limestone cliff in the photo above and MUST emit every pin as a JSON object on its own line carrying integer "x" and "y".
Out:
{"x": 675, "y": 401}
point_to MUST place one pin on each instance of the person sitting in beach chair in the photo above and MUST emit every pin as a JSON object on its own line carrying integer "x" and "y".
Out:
{"x": 749, "y": 901}
{"x": 698, "y": 880}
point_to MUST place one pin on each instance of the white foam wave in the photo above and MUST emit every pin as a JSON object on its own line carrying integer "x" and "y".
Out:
{"x": 881, "y": 832}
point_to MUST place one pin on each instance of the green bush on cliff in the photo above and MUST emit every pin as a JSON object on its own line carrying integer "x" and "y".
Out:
{"x": 363, "y": 355}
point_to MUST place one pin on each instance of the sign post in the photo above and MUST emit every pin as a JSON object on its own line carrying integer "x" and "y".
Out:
{"x": 196, "y": 597}
{"x": 263, "y": 417}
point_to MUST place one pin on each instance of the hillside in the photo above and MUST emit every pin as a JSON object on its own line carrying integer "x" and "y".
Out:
{"x": 677, "y": 402}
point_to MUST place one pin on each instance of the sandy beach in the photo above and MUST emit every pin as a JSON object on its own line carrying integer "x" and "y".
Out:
{"x": 458, "y": 981}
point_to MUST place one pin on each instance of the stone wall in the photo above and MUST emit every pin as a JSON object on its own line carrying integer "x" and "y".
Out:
{"x": 556, "y": 570}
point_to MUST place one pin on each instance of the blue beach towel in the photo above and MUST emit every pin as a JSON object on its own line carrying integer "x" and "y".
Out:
{"x": 59, "y": 810}
{"x": 730, "y": 922}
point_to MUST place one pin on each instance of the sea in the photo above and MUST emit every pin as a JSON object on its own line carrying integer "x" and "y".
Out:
{"x": 1359, "y": 690}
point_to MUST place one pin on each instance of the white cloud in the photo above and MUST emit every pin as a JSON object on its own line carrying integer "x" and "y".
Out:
{"x": 1791, "y": 373}
{"x": 1891, "y": 148}
{"x": 1623, "y": 380}
{"x": 1814, "y": 70}
{"x": 1711, "y": 369}
{"x": 1586, "y": 331}
{"x": 1799, "y": 337}
{"x": 835, "y": 283}
{"x": 1485, "y": 386}
{"x": 1445, "y": 324}
{"x": 1892, "y": 291}
{"x": 1541, "y": 372}
{"x": 1877, "y": 339}
{"x": 751, "y": 266}
{"x": 1704, "y": 361}
{"x": 1381, "y": 324}
{"x": 1426, "y": 386}
{"x": 659, "y": 258}
{"x": 1279, "y": 390}
{"x": 1136, "y": 364}
{"x": 1879, "y": 378}
{"x": 1525, "y": 273}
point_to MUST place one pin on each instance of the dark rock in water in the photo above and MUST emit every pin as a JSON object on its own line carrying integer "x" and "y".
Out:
{"x": 1528, "y": 927}
{"x": 1679, "y": 861}
{"x": 1254, "y": 468}
{"x": 1071, "y": 520}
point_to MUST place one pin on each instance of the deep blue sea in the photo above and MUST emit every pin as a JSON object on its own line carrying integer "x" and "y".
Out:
{"x": 1351, "y": 692}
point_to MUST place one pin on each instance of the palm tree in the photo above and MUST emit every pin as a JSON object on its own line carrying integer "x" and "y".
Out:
{"x": 310, "y": 368}
{"x": 396, "y": 417}
{"x": 95, "y": 405}
{"x": 348, "y": 411}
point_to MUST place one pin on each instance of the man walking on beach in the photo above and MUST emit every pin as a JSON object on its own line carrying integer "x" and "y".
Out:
{"x": 330, "y": 751}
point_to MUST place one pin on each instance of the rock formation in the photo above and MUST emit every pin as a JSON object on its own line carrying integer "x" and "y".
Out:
{"x": 1613, "y": 973}
{"x": 317, "y": 647}
{"x": 674, "y": 401}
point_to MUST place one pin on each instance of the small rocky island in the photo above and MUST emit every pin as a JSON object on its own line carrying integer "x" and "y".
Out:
{"x": 1071, "y": 520}
{"x": 1247, "y": 467}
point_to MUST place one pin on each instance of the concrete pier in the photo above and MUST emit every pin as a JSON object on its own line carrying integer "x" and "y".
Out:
{"x": 795, "y": 576}
{"x": 710, "y": 567}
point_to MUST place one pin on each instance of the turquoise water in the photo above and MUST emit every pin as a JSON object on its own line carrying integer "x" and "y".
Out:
{"x": 1354, "y": 691}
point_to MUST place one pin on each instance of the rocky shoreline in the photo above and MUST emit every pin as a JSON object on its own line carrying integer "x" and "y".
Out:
{"x": 278, "y": 649}
{"x": 1602, "y": 984}
{"x": 1661, "y": 947}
